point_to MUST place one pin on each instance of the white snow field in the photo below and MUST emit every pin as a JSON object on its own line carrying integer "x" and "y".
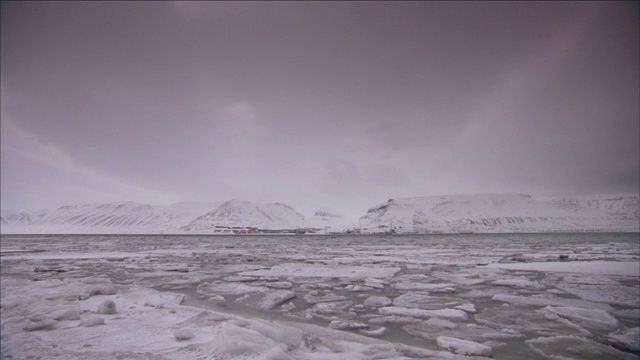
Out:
{"x": 504, "y": 296}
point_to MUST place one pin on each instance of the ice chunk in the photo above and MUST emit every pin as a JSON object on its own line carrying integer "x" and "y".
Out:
{"x": 589, "y": 318}
{"x": 332, "y": 307}
{"x": 218, "y": 300}
{"x": 632, "y": 314}
{"x": 357, "y": 288}
{"x": 71, "y": 313}
{"x": 375, "y": 283}
{"x": 532, "y": 322}
{"x": 629, "y": 268}
{"x": 440, "y": 323}
{"x": 278, "y": 332}
{"x": 378, "y": 332}
{"x": 89, "y": 321}
{"x": 520, "y": 282}
{"x": 96, "y": 280}
{"x": 107, "y": 307}
{"x": 318, "y": 296}
{"x": 544, "y": 300}
{"x": 46, "y": 324}
{"x": 377, "y": 301}
{"x": 574, "y": 347}
{"x": 273, "y": 299}
{"x": 280, "y": 285}
{"x": 435, "y": 327}
{"x": 588, "y": 279}
{"x": 408, "y": 286}
{"x": 206, "y": 319}
{"x": 610, "y": 294}
{"x": 393, "y": 319}
{"x": 101, "y": 289}
{"x": 267, "y": 300}
{"x": 319, "y": 270}
{"x": 463, "y": 347}
{"x": 226, "y": 288}
{"x": 183, "y": 334}
{"x": 422, "y": 300}
{"x": 241, "y": 341}
{"x": 624, "y": 339}
{"x": 342, "y": 325}
{"x": 453, "y": 314}
{"x": 470, "y": 308}
{"x": 239, "y": 278}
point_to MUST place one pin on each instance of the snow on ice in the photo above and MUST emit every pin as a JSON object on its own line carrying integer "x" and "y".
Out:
{"x": 187, "y": 297}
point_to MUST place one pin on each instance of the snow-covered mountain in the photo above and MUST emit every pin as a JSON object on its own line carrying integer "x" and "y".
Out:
{"x": 503, "y": 213}
{"x": 24, "y": 217}
{"x": 622, "y": 205}
{"x": 329, "y": 220}
{"x": 434, "y": 214}
{"x": 247, "y": 217}
{"x": 134, "y": 218}
{"x": 119, "y": 217}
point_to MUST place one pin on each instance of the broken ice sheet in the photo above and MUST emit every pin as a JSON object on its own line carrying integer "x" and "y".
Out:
{"x": 434, "y": 327}
{"x": 316, "y": 270}
{"x": 423, "y": 300}
{"x": 575, "y": 347}
{"x": 515, "y": 320}
{"x": 509, "y": 311}
{"x": 605, "y": 293}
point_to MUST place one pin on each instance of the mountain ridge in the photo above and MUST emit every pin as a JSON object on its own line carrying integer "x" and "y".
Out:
{"x": 475, "y": 213}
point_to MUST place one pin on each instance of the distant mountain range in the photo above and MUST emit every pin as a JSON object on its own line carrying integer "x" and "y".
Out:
{"x": 484, "y": 213}
{"x": 505, "y": 214}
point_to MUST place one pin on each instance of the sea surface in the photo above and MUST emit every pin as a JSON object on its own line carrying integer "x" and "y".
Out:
{"x": 417, "y": 287}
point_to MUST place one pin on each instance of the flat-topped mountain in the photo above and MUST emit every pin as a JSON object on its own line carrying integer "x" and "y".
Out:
{"x": 488, "y": 213}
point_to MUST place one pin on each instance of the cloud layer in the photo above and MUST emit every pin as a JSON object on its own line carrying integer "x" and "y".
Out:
{"x": 316, "y": 104}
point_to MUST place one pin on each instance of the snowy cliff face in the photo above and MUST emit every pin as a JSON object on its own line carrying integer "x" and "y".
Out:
{"x": 113, "y": 214}
{"x": 24, "y": 217}
{"x": 625, "y": 205}
{"x": 329, "y": 220}
{"x": 246, "y": 217}
{"x": 119, "y": 217}
{"x": 503, "y": 213}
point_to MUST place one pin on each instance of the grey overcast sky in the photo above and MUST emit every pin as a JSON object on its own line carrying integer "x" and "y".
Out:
{"x": 316, "y": 104}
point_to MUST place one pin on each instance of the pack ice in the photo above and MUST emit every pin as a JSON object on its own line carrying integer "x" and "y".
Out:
{"x": 306, "y": 297}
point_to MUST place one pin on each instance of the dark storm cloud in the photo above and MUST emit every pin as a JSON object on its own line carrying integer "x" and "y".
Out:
{"x": 339, "y": 104}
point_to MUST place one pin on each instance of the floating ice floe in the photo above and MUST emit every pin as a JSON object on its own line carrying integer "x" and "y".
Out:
{"x": 520, "y": 282}
{"x": 628, "y": 268}
{"x": 423, "y": 300}
{"x": 434, "y": 327}
{"x": 589, "y": 318}
{"x": 525, "y": 322}
{"x": 306, "y": 282}
{"x": 624, "y": 339}
{"x": 177, "y": 332}
{"x": 452, "y": 314}
{"x": 575, "y": 347}
{"x": 267, "y": 300}
{"x": 316, "y": 270}
{"x": 377, "y": 301}
{"x": 604, "y": 293}
{"x": 463, "y": 347}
